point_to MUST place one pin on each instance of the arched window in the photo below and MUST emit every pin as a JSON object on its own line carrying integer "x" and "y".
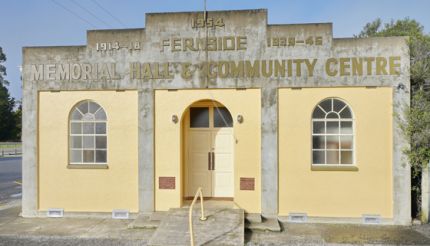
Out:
{"x": 88, "y": 139}
{"x": 332, "y": 133}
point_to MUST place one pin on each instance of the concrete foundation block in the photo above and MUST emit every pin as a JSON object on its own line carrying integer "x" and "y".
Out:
{"x": 253, "y": 218}
{"x": 269, "y": 224}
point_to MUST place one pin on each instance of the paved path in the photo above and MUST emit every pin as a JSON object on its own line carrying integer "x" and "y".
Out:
{"x": 341, "y": 234}
{"x": 15, "y": 230}
{"x": 222, "y": 227}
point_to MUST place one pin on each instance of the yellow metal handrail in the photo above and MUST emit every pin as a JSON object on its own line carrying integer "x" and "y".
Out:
{"x": 190, "y": 216}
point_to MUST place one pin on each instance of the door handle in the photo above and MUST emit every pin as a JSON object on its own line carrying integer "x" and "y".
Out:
{"x": 209, "y": 161}
{"x": 213, "y": 160}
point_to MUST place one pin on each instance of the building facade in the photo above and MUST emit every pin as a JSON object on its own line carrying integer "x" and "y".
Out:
{"x": 284, "y": 120}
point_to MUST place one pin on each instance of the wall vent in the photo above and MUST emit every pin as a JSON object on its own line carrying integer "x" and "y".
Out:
{"x": 297, "y": 217}
{"x": 371, "y": 219}
{"x": 120, "y": 214}
{"x": 55, "y": 212}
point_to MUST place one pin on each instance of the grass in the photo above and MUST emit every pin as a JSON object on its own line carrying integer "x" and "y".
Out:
{"x": 10, "y": 145}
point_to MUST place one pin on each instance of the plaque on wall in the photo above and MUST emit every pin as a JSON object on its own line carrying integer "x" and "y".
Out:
{"x": 247, "y": 183}
{"x": 166, "y": 183}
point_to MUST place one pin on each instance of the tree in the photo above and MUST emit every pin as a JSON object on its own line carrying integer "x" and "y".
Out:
{"x": 416, "y": 125}
{"x": 18, "y": 122}
{"x": 2, "y": 69}
{"x": 8, "y": 118}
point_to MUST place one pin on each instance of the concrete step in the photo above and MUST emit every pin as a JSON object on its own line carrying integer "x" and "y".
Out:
{"x": 253, "y": 218}
{"x": 144, "y": 222}
{"x": 158, "y": 216}
{"x": 267, "y": 224}
{"x": 224, "y": 226}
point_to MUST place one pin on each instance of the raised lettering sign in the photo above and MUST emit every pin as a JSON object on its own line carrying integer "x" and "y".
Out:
{"x": 344, "y": 66}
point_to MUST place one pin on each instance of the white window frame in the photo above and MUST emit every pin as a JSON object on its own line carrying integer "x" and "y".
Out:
{"x": 339, "y": 134}
{"x": 95, "y": 134}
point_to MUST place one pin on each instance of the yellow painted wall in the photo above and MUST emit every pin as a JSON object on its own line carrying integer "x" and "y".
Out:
{"x": 168, "y": 141}
{"x": 88, "y": 190}
{"x": 336, "y": 193}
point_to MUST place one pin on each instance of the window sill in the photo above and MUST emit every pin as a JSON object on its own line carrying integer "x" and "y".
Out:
{"x": 87, "y": 166}
{"x": 334, "y": 168}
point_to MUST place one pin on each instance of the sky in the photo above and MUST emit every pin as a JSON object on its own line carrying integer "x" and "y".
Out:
{"x": 64, "y": 22}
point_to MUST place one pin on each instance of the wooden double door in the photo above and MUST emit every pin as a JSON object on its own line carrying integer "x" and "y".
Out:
{"x": 210, "y": 145}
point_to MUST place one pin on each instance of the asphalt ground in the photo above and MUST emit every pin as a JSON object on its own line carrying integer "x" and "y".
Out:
{"x": 10, "y": 179}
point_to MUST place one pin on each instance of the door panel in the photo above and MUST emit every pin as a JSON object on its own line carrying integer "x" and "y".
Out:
{"x": 222, "y": 174}
{"x": 223, "y": 162}
{"x": 198, "y": 174}
{"x": 200, "y": 179}
{"x": 222, "y": 140}
{"x": 200, "y": 141}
